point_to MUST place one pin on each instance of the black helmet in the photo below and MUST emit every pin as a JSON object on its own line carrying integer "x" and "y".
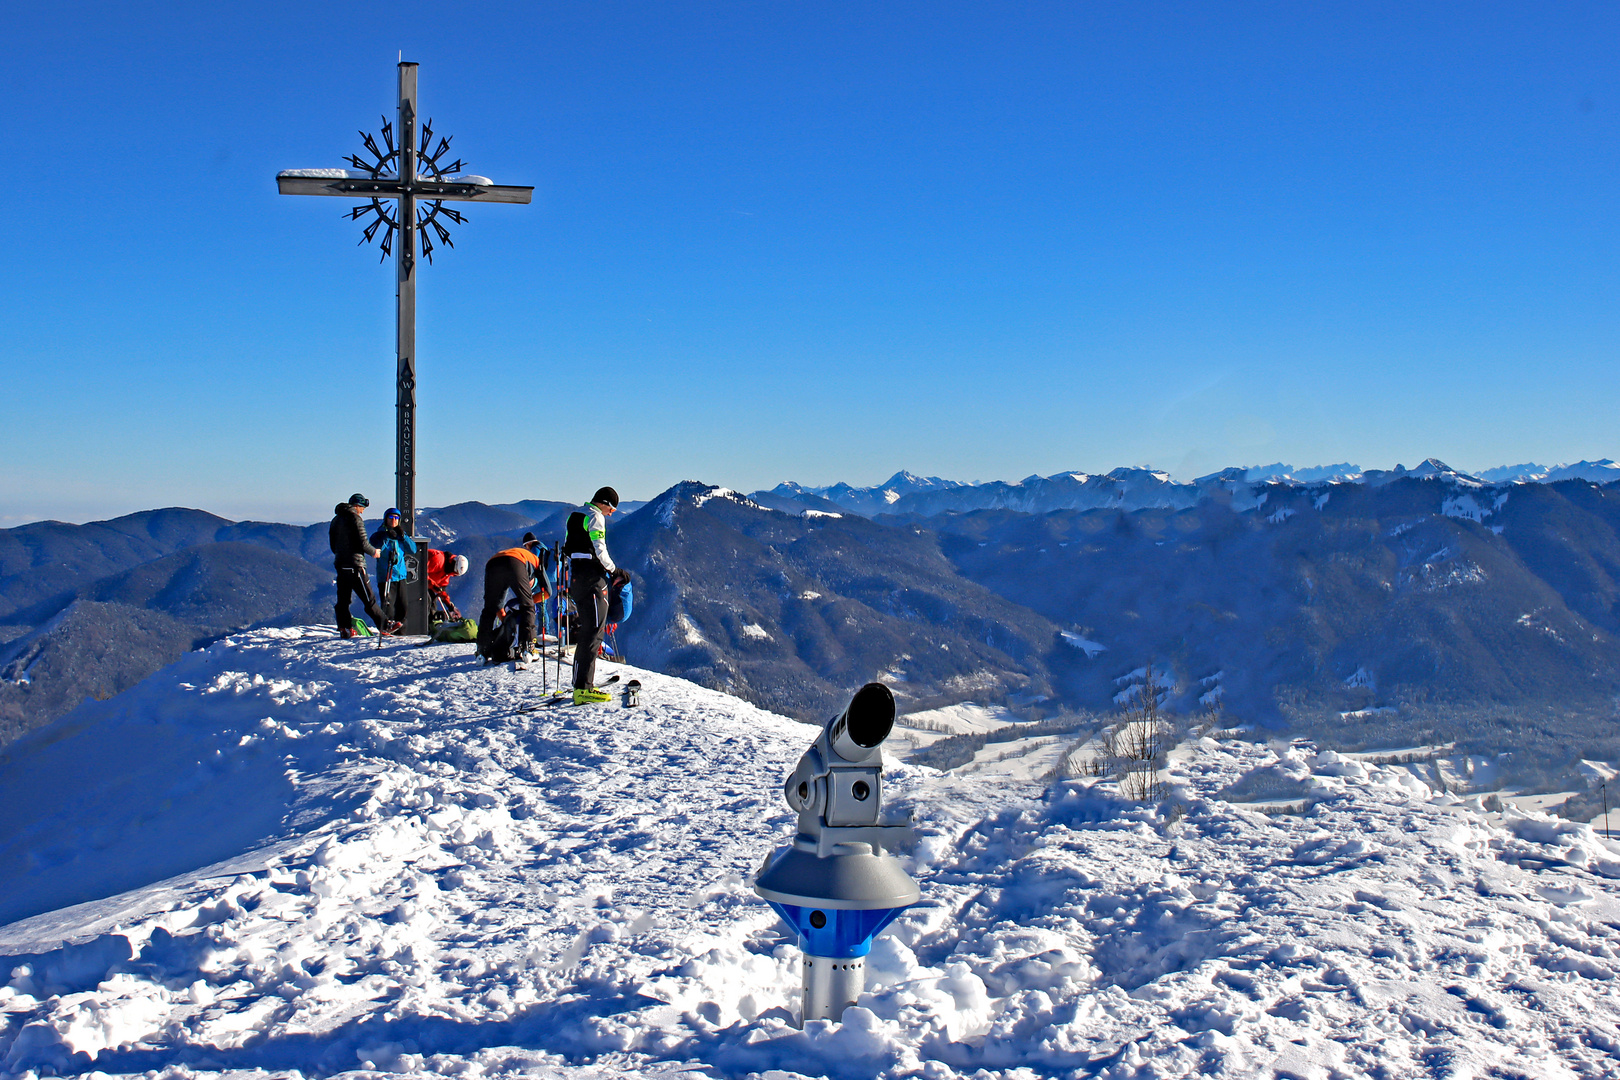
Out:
{"x": 530, "y": 540}
{"x": 358, "y": 499}
{"x": 606, "y": 496}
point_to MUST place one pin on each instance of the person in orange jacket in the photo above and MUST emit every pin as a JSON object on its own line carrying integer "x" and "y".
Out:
{"x": 519, "y": 571}
{"x": 441, "y": 567}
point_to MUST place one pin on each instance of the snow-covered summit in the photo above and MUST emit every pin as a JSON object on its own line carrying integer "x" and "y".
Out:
{"x": 386, "y": 858}
{"x": 1430, "y": 469}
{"x": 693, "y": 493}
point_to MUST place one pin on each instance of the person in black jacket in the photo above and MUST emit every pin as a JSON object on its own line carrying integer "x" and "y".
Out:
{"x": 350, "y": 549}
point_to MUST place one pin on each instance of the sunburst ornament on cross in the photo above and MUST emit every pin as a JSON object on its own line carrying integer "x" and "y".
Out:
{"x": 422, "y": 183}
{"x": 382, "y": 166}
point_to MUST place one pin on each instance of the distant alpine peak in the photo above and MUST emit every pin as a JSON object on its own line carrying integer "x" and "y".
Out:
{"x": 1143, "y": 487}
{"x": 905, "y": 482}
{"x": 1139, "y": 472}
{"x": 876, "y": 499}
{"x": 1602, "y": 471}
{"x": 1281, "y": 473}
{"x": 1437, "y": 469}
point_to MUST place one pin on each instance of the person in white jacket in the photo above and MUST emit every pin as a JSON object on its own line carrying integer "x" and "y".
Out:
{"x": 592, "y": 568}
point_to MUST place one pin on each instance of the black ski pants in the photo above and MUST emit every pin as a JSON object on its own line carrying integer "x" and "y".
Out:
{"x": 394, "y": 599}
{"x": 501, "y": 573}
{"x": 588, "y": 591}
{"x": 353, "y": 581}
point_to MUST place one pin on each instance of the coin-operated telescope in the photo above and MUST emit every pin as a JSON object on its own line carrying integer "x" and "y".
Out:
{"x": 835, "y": 885}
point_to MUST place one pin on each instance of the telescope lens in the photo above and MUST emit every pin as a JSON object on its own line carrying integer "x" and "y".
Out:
{"x": 870, "y": 716}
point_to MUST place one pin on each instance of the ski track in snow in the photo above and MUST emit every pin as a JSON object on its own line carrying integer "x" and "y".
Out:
{"x": 408, "y": 876}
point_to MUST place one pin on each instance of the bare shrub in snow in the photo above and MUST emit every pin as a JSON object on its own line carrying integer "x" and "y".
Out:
{"x": 1137, "y": 744}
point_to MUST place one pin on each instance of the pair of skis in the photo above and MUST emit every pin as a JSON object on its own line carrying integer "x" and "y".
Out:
{"x": 561, "y": 696}
{"x": 632, "y": 693}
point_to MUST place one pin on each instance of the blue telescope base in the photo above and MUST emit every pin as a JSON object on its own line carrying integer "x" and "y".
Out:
{"x": 841, "y": 934}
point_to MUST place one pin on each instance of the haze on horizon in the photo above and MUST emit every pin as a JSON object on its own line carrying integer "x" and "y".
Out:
{"x": 816, "y": 243}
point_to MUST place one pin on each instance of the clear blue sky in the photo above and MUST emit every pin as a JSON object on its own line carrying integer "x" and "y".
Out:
{"x": 810, "y": 241}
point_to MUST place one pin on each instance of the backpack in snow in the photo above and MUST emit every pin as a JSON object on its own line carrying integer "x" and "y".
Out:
{"x": 454, "y": 630}
{"x": 503, "y": 640}
{"x": 619, "y": 604}
{"x": 620, "y": 601}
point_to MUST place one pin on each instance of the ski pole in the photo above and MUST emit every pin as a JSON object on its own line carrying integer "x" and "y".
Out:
{"x": 556, "y": 621}
{"x": 545, "y": 676}
{"x": 562, "y": 590}
{"x": 573, "y": 663}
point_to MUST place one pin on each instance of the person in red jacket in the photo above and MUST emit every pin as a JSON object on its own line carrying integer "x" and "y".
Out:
{"x": 441, "y": 567}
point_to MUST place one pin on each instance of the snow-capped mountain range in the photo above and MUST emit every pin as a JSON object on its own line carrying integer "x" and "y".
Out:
{"x": 289, "y": 855}
{"x": 1140, "y": 489}
{"x": 1443, "y": 591}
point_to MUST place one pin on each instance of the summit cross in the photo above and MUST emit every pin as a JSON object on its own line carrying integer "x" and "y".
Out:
{"x": 422, "y": 185}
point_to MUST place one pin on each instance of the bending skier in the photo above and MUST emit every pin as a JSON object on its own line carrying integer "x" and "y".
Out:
{"x": 592, "y": 568}
{"x": 441, "y": 567}
{"x": 347, "y": 536}
{"x": 517, "y": 569}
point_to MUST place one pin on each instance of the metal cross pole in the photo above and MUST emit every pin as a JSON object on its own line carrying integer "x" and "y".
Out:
{"x": 415, "y": 177}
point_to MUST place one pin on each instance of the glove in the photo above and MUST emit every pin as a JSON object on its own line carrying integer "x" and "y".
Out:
{"x": 620, "y": 576}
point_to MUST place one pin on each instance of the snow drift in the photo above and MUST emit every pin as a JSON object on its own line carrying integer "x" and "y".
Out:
{"x": 373, "y": 860}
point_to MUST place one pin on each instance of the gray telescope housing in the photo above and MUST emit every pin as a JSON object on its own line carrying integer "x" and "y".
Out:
{"x": 837, "y": 787}
{"x": 835, "y": 885}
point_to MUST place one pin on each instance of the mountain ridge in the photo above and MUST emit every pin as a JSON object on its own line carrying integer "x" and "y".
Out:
{"x": 1439, "y": 587}
{"x": 1137, "y": 488}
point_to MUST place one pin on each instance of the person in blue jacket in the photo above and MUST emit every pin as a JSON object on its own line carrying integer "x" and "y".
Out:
{"x": 392, "y": 546}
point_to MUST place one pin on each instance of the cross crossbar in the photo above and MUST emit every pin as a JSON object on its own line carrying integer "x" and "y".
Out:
{"x": 300, "y": 182}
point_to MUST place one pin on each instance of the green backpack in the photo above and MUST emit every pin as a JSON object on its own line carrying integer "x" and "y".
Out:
{"x": 454, "y": 630}
{"x": 360, "y": 628}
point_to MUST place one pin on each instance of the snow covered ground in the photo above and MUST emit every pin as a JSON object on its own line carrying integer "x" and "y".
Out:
{"x": 373, "y": 862}
{"x": 922, "y": 729}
